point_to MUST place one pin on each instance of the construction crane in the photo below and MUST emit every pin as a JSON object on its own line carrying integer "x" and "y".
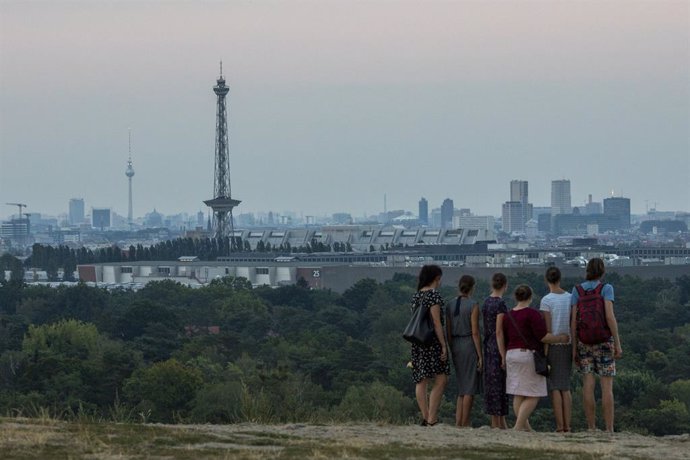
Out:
{"x": 19, "y": 205}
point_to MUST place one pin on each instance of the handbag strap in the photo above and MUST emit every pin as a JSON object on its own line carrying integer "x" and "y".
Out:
{"x": 419, "y": 303}
{"x": 518, "y": 329}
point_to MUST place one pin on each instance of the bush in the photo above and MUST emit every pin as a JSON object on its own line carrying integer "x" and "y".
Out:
{"x": 376, "y": 402}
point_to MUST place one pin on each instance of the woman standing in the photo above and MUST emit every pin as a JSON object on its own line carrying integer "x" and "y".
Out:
{"x": 495, "y": 397}
{"x": 556, "y": 309}
{"x": 430, "y": 362}
{"x": 524, "y": 332}
{"x": 463, "y": 338}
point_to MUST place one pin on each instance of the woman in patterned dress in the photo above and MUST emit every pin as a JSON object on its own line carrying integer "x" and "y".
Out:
{"x": 495, "y": 397}
{"x": 430, "y": 362}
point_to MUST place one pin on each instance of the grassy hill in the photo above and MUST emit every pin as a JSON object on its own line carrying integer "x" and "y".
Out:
{"x": 47, "y": 438}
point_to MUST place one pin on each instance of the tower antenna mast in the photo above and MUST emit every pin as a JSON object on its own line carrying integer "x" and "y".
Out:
{"x": 222, "y": 202}
{"x": 129, "y": 172}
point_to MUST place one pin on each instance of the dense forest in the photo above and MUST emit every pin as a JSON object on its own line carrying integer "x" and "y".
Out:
{"x": 227, "y": 353}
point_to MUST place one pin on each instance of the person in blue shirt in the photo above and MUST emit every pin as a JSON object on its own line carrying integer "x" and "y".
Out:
{"x": 597, "y": 359}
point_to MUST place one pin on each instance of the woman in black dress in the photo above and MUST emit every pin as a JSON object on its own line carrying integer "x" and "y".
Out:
{"x": 430, "y": 362}
{"x": 495, "y": 397}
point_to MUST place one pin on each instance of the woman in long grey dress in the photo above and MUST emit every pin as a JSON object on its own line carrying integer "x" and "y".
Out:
{"x": 462, "y": 320}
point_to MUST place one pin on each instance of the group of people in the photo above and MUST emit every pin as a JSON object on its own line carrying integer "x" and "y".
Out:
{"x": 569, "y": 328}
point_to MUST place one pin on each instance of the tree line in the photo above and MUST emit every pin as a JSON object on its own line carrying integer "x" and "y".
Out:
{"x": 228, "y": 352}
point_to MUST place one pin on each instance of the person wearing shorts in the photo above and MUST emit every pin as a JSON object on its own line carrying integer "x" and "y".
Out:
{"x": 598, "y": 359}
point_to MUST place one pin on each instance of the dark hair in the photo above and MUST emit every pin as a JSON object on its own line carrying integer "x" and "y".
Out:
{"x": 523, "y": 292}
{"x": 595, "y": 269}
{"x": 465, "y": 284}
{"x": 498, "y": 281}
{"x": 428, "y": 274}
{"x": 553, "y": 275}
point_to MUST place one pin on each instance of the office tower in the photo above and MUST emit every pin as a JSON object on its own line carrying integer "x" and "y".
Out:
{"x": 100, "y": 218}
{"x": 560, "y": 197}
{"x": 519, "y": 191}
{"x": 618, "y": 207}
{"x": 447, "y": 209}
{"x": 423, "y": 211}
{"x": 512, "y": 217}
{"x": 76, "y": 211}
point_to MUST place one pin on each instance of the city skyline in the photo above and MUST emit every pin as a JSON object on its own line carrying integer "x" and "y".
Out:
{"x": 412, "y": 106}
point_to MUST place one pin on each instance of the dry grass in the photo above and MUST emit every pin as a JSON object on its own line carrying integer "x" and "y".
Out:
{"x": 37, "y": 438}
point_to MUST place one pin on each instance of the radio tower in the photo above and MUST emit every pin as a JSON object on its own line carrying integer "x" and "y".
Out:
{"x": 222, "y": 203}
{"x": 130, "y": 173}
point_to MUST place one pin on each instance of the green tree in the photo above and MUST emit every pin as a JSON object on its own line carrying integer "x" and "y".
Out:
{"x": 166, "y": 388}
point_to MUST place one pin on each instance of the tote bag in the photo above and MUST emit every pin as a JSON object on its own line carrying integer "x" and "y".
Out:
{"x": 420, "y": 329}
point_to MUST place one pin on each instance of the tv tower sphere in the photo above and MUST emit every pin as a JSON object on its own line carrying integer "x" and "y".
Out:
{"x": 129, "y": 173}
{"x": 130, "y": 170}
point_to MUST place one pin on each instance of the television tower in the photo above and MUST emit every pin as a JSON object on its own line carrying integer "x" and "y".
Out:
{"x": 222, "y": 203}
{"x": 130, "y": 173}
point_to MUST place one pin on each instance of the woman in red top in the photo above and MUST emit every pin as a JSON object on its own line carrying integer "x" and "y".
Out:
{"x": 517, "y": 348}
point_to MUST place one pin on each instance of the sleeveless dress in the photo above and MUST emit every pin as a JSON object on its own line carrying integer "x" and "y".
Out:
{"x": 426, "y": 359}
{"x": 495, "y": 397}
{"x": 459, "y": 316}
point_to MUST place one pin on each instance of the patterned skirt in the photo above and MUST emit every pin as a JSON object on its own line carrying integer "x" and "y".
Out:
{"x": 426, "y": 361}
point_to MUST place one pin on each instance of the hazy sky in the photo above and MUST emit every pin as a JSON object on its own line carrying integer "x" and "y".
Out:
{"x": 334, "y": 103}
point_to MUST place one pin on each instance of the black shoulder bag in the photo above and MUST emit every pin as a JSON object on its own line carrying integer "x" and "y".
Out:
{"x": 541, "y": 367}
{"x": 420, "y": 329}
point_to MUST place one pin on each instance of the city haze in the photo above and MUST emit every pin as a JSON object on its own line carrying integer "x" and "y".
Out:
{"x": 334, "y": 104}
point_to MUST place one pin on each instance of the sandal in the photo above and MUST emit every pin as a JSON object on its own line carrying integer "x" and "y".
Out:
{"x": 424, "y": 423}
{"x": 432, "y": 423}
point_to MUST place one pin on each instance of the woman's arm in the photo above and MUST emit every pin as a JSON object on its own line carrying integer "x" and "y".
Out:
{"x": 500, "y": 340}
{"x": 573, "y": 331}
{"x": 550, "y": 338}
{"x": 435, "y": 311}
{"x": 540, "y": 329}
{"x": 547, "y": 320}
{"x": 613, "y": 326}
{"x": 475, "y": 334}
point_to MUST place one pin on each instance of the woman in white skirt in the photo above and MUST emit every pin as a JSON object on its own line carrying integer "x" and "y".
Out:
{"x": 524, "y": 331}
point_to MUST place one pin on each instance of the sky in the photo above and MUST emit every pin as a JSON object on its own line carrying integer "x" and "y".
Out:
{"x": 333, "y": 104}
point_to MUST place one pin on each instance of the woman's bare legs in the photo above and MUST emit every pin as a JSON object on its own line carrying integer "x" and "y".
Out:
{"x": 420, "y": 393}
{"x": 436, "y": 396}
{"x": 525, "y": 409}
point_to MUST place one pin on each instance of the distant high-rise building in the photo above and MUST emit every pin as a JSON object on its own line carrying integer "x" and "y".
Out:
{"x": 435, "y": 218}
{"x": 200, "y": 219}
{"x": 513, "y": 217}
{"x": 519, "y": 191}
{"x": 618, "y": 207}
{"x": 423, "y": 211}
{"x": 592, "y": 207}
{"x": 447, "y": 209}
{"x": 76, "y": 211}
{"x": 100, "y": 218}
{"x": 560, "y": 197}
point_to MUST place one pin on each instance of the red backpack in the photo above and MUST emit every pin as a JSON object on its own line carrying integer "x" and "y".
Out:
{"x": 591, "y": 316}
